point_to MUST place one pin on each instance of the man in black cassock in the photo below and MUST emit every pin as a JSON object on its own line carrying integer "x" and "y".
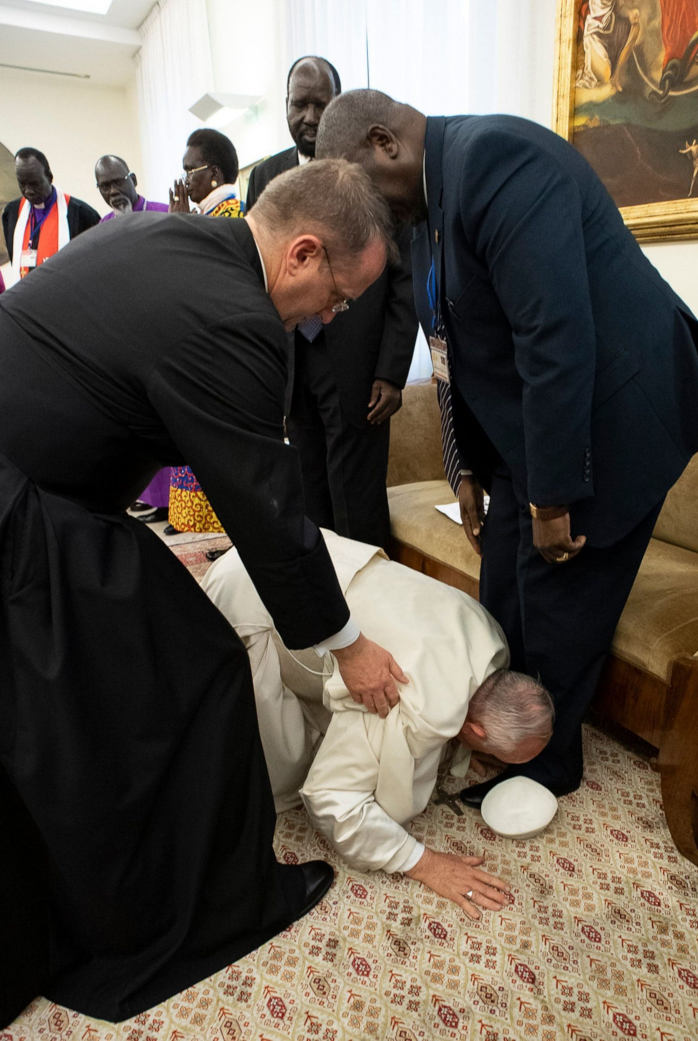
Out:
{"x": 137, "y": 814}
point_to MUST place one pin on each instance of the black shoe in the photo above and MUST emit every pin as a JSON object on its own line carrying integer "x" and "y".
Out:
{"x": 140, "y": 507}
{"x": 214, "y": 554}
{"x": 170, "y": 530}
{"x": 474, "y": 795}
{"x": 317, "y": 878}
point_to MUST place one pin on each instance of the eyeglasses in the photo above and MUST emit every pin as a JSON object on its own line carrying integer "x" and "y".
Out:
{"x": 343, "y": 304}
{"x": 196, "y": 169}
{"x": 106, "y": 186}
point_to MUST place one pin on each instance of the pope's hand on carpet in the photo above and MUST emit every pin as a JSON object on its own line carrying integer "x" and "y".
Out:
{"x": 371, "y": 675}
{"x": 454, "y": 876}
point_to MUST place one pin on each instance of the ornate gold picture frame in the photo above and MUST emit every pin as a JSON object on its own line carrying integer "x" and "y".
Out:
{"x": 626, "y": 95}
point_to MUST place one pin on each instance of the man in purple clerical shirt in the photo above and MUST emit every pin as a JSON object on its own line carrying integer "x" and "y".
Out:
{"x": 117, "y": 186}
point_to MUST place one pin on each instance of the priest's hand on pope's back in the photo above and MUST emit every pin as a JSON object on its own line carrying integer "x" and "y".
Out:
{"x": 371, "y": 675}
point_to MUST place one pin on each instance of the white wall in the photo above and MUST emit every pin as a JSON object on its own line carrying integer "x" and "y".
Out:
{"x": 677, "y": 262}
{"x": 72, "y": 122}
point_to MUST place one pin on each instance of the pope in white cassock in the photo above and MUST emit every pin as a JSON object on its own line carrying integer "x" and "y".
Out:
{"x": 363, "y": 778}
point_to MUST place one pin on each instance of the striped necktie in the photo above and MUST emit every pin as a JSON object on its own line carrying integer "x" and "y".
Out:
{"x": 449, "y": 448}
{"x": 310, "y": 327}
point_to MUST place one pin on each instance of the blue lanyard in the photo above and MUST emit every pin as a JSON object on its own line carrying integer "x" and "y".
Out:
{"x": 433, "y": 298}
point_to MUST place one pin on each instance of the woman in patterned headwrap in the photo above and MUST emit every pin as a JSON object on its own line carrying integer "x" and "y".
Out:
{"x": 210, "y": 166}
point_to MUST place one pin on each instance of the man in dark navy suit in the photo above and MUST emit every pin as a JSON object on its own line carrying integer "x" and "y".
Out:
{"x": 572, "y": 368}
{"x": 346, "y": 378}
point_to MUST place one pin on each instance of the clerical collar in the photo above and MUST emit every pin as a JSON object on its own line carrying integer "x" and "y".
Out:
{"x": 47, "y": 203}
{"x": 303, "y": 159}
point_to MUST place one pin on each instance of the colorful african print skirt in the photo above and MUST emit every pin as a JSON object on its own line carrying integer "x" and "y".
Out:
{"x": 190, "y": 510}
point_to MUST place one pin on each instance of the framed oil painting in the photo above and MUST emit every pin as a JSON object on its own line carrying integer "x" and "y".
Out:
{"x": 627, "y": 98}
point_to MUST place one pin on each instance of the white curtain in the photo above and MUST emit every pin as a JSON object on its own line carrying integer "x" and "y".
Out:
{"x": 174, "y": 71}
{"x": 453, "y": 56}
{"x": 334, "y": 29}
{"x": 442, "y": 56}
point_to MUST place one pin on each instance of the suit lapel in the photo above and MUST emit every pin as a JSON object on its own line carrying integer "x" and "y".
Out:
{"x": 290, "y": 159}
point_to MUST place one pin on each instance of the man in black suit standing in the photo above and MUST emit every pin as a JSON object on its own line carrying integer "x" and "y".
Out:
{"x": 573, "y": 372}
{"x": 345, "y": 379}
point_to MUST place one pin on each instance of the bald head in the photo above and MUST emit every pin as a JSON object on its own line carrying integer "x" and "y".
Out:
{"x": 386, "y": 138}
{"x": 117, "y": 185}
{"x": 346, "y": 122}
{"x": 312, "y": 84}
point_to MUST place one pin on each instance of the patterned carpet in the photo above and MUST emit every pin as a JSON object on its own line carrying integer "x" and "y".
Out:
{"x": 601, "y": 943}
{"x": 192, "y": 551}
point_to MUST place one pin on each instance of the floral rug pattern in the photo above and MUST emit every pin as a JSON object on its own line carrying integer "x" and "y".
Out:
{"x": 600, "y": 944}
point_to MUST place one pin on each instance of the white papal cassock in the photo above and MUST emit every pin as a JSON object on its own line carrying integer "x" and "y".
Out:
{"x": 367, "y": 777}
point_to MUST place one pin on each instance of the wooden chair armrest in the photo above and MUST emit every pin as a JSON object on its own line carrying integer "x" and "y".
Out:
{"x": 678, "y": 757}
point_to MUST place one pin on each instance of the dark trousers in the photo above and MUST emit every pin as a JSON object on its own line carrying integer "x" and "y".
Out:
{"x": 559, "y": 619}
{"x": 344, "y": 466}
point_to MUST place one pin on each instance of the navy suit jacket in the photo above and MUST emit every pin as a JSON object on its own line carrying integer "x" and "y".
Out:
{"x": 571, "y": 359}
{"x": 375, "y": 338}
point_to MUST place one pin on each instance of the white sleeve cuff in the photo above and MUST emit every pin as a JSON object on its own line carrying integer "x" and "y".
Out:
{"x": 346, "y": 636}
{"x": 414, "y": 857}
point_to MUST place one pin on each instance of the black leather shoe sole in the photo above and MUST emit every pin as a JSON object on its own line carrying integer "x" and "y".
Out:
{"x": 318, "y": 877}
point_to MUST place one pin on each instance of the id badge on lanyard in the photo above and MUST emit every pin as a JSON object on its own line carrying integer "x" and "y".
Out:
{"x": 28, "y": 258}
{"x": 439, "y": 358}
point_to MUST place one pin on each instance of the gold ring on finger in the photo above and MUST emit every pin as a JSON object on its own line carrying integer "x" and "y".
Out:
{"x": 562, "y": 558}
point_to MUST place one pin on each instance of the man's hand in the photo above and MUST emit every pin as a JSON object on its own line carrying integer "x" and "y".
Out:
{"x": 454, "y": 876}
{"x": 472, "y": 513}
{"x": 179, "y": 200}
{"x": 371, "y": 675}
{"x": 385, "y": 399}
{"x": 481, "y": 763}
{"x": 553, "y": 540}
